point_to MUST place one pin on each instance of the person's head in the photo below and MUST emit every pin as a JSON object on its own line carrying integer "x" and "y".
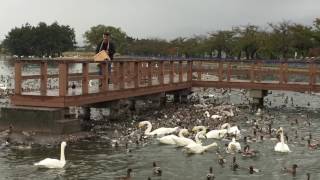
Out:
{"x": 106, "y": 36}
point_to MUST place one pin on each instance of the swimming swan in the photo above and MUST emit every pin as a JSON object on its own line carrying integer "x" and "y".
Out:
{"x": 183, "y": 141}
{"x": 159, "y": 132}
{"x": 54, "y": 163}
{"x": 217, "y": 133}
{"x": 234, "y": 146}
{"x": 281, "y": 146}
{"x": 231, "y": 130}
{"x": 169, "y": 138}
{"x": 198, "y": 148}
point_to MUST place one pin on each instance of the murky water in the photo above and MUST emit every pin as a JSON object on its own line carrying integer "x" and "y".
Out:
{"x": 97, "y": 159}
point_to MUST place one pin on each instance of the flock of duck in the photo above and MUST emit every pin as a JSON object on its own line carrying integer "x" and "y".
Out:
{"x": 201, "y": 128}
{"x": 230, "y": 135}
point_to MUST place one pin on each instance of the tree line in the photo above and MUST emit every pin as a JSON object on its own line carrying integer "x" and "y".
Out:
{"x": 275, "y": 41}
{"x": 40, "y": 40}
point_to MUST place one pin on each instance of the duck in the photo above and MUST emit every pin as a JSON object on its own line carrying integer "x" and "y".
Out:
{"x": 210, "y": 175}
{"x": 312, "y": 145}
{"x": 292, "y": 170}
{"x": 198, "y": 148}
{"x": 169, "y": 138}
{"x": 234, "y": 165}
{"x": 247, "y": 152}
{"x": 156, "y": 169}
{"x": 221, "y": 160}
{"x": 233, "y": 146}
{"x": 54, "y": 163}
{"x": 253, "y": 170}
{"x": 281, "y": 146}
{"x": 183, "y": 141}
{"x": 127, "y": 177}
{"x": 158, "y": 132}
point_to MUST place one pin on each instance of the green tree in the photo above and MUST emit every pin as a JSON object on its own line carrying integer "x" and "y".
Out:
{"x": 119, "y": 37}
{"x": 281, "y": 39}
{"x": 41, "y": 40}
{"x": 316, "y": 31}
{"x": 302, "y": 39}
{"x": 249, "y": 40}
{"x": 221, "y": 41}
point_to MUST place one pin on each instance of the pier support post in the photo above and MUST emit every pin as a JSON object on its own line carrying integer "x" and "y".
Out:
{"x": 257, "y": 95}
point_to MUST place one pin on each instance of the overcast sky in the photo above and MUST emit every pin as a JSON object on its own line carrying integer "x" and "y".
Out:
{"x": 155, "y": 18}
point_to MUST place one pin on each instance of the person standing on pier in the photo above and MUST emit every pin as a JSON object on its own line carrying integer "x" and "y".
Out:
{"x": 108, "y": 46}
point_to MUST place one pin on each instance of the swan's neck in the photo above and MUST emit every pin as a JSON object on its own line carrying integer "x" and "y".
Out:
{"x": 181, "y": 133}
{"x": 281, "y": 137}
{"x": 62, "y": 157}
{"x": 197, "y": 137}
{"x": 149, "y": 127}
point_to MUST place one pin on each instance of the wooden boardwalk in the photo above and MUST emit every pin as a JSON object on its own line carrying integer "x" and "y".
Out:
{"x": 138, "y": 77}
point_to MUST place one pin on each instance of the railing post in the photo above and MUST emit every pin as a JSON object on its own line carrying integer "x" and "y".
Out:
{"x": 161, "y": 74}
{"x": 104, "y": 76}
{"x": 180, "y": 71}
{"x": 44, "y": 78}
{"x": 17, "y": 72}
{"x": 171, "y": 73}
{"x": 189, "y": 76}
{"x": 252, "y": 77}
{"x": 63, "y": 79}
{"x": 85, "y": 74}
{"x": 228, "y": 71}
{"x": 121, "y": 76}
{"x": 199, "y": 71}
{"x": 285, "y": 75}
{"x": 220, "y": 71}
{"x": 259, "y": 74}
{"x": 281, "y": 73}
{"x": 312, "y": 75}
{"x": 149, "y": 73}
{"x": 136, "y": 74}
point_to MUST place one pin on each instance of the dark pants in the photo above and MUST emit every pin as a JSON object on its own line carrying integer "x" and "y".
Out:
{"x": 109, "y": 70}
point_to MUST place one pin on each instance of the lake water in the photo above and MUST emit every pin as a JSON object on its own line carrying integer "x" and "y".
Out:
{"x": 97, "y": 159}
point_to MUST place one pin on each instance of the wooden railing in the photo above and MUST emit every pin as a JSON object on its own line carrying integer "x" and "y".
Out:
{"x": 124, "y": 74}
{"x": 129, "y": 77}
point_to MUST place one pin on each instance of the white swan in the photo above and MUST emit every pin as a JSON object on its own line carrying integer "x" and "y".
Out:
{"x": 206, "y": 114}
{"x": 169, "y": 138}
{"x": 198, "y": 148}
{"x": 183, "y": 141}
{"x": 281, "y": 146}
{"x": 231, "y": 130}
{"x": 217, "y": 133}
{"x": 159, "y": 132}
{"x": 258, "y": 113}
{"x": 54, "y": 163}
{"x": 233, "y": 146}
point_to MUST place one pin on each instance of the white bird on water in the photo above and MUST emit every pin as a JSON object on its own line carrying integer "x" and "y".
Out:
{"x": 158, "y": 132}
{"x": 281, "y": 146}
{"x": 54, "y": 163}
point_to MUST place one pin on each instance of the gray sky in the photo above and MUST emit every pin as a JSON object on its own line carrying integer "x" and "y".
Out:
{"x": 155, "y": 18}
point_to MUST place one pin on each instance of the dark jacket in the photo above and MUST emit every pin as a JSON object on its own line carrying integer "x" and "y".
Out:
{"x": 111, "y": 49}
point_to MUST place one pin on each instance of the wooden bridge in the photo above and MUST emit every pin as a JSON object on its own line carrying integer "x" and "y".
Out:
{"x": 51, "y": 84}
